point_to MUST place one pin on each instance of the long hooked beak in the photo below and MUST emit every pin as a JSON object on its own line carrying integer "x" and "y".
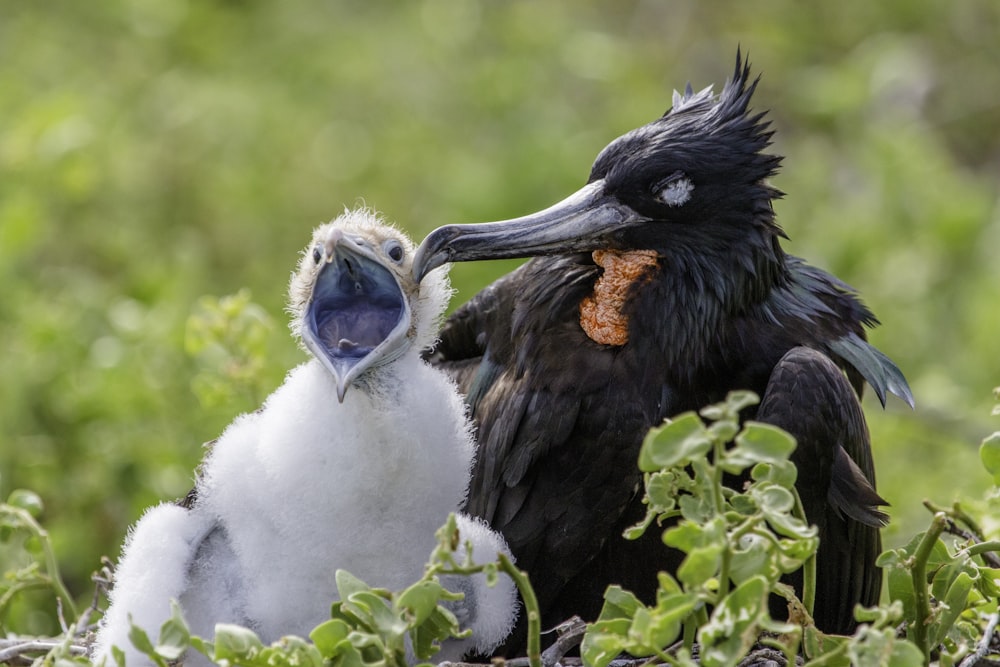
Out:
{"x": 582, "y": 222}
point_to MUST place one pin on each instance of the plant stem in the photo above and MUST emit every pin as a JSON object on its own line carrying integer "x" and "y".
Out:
{"x": 530, "y": 607}
{"x": 718, "y": 508}
{"x": 919, "y": 577}
{"x": 51, "y": 564}
{"x": 984, "y": 644}
{"x": 809, "y": 567}
{"x": 20, "y": 587}
{"x": 981, "y": 548}
{"x": 690, "y": 628}
{"x": 834, "y": 657}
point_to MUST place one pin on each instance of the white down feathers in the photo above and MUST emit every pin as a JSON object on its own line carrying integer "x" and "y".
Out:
{"x": 307, "y": 485}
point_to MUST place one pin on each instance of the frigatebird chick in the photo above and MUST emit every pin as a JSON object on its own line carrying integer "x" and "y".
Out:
{"x": 353, "y": 463}
{"x": 658, "y": 287}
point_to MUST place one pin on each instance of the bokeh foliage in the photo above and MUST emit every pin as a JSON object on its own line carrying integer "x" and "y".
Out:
{"x": 155, "y": 151}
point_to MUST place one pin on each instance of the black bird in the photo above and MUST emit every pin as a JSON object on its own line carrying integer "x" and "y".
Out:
{"x": 657, "y": 288}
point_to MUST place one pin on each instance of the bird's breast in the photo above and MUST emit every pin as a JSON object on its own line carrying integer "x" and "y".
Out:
{"x": 602, "y": 312}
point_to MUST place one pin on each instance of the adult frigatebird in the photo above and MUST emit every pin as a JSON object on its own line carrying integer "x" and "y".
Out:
{"x": 657, "y": 288}
{"x": 352, "y": 463}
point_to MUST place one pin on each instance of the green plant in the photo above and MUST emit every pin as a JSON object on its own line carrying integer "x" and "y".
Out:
{"x": 29, "y": 559}
{"x": 737, "y": 544}
{"x": 227, "y": 337}
{"x": 942, "y": 604}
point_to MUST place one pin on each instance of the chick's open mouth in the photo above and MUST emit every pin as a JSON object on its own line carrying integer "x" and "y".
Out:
{"x": 355, "y": 306}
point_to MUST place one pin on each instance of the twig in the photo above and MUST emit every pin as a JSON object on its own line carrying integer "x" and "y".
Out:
{"x": 984, "y": 644}
{"x": 972, "y": 534}
{"x": 764, "y": 656}
{"x": 570, "y": 633}
{"x": 15, "y": 648}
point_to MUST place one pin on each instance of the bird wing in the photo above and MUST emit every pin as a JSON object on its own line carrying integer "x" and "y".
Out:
{"x": 832, "y": 306}
{"x": 540, "y": 404}
{"x": 153, "y": 569}
{"x": 810, "y": 397}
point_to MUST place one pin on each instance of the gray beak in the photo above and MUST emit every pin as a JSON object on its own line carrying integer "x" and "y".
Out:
{"x": 582, "y": 222}
{"x": 358, "y": 316}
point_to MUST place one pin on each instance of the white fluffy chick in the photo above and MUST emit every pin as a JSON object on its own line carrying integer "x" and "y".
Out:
{"x": 320, "y": 477}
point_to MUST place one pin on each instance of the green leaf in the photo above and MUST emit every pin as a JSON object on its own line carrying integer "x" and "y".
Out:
{"x": 766, "y": 443}
{"x": 773, "y": 499}
{"x": 684, "y": 536}
{"x": 696, "y": 508}
{"x": 881, "y": 648}
{"x": 782, "y": 473}
{"x": 203, "y": 646}
{"x": 420, "y": 600}
{"x": 639, "y": 529}
{"x": 897, "y": 564}
{"x": 733, "y": 626}
{"x": 234, "y": 642}
{"x": 603, "y": 642}
{"x": 174, "y": 634}
{"x": 989, "y": 582}
{"x": 700, "y": 565}
{"x": 492, "y": 573}
{"x": 667, "y": 585}
{"x": 790, "y": 526}
{"x": 661, "y": 487}
{"x": 954, "y": 604}
{"x": 731, "y": 407}
{"x": 140, "y": 640}
{"x": 683, "y": 439}
{"x": 618, "y": 603}
{"x": 329, "y": 635}
{"x": 900, "y": 587}
{"x": 27, "y": 500}
{"x": 758, "y": 443}
{"x": 348, "y": 584}
{"x": 440, "y": 625}
{"x": 724, "y": 430}
{"x": 377, "y": 608}
{"x": 293, "y": 651}
{"x": 816, "y": 644}
{"x": 949, "y": 572}
{"x": 740, "y": 399}
{"x": 655, "y": 629}
{"x": 743, "y": 504}
{"x": 754, "y": 557}
{"x": 989, "y": 454}
{"x": 797, "y": 550}
{"x": 626, "y": 625}
{"x": 687, "y": 535}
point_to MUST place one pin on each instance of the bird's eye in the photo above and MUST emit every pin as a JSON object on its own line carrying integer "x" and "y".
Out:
{"x": 317, "y": 254}
{"x": 675, "y": 189}
{"x": 394, "y": 249}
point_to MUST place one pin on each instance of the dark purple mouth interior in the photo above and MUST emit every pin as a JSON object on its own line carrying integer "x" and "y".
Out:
{"x": 356, "y": 304}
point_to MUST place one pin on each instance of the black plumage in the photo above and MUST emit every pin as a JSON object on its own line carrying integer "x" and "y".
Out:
{"x": 717, "y": 306}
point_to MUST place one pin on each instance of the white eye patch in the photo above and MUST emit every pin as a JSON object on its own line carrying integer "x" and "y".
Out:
{"x": 677, "y": 191}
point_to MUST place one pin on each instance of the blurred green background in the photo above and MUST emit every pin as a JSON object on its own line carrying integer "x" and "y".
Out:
{"x": 154, "y": 151}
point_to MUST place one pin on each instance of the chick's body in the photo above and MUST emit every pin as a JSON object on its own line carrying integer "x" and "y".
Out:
{"x": 322, "y": 478}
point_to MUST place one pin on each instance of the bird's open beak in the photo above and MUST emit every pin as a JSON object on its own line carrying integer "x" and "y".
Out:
{"x": 358, "y": 316}
{"x": 584, "y": 221}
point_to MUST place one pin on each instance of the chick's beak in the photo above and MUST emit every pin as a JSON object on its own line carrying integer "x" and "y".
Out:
{"x": 358, "y": 316}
